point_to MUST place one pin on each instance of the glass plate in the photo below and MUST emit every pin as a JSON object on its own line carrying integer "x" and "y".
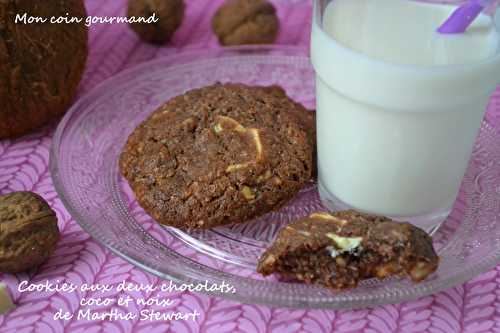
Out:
{"x": 84, "y": 167}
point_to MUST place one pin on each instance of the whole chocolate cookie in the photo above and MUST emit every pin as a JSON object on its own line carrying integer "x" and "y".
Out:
{"x": 239, "y": 22}
{"x": 218, "y": 155}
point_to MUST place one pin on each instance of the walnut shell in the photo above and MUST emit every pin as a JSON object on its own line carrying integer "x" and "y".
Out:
{"x": 28, "y": 231}
{"x": 41, "y": 64}
{"x": 239, "y": 22}
{"x": 169, "y": 12}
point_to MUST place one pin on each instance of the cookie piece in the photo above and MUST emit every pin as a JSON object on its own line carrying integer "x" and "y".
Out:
{"x": 338, "y": 250}
{"x": 28, "y": 231}
{"x": 169, "y": 12}
{"x": 239, "y": 22}
{"x": 217, "y": 155}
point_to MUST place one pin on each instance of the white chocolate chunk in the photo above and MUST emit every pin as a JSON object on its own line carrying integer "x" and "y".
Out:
{"x": 228, "y": 123}
{"x": 329, "y": 217}
{"x": 324, "y": 216}
{"x": 345, "y": 244}
{"x": 258, "y": 144}
{"x": 218, "y": 128}
{"x": 248, "y": 193}
{"x": 5, "y": 301}
{"x": 236, "y": 167}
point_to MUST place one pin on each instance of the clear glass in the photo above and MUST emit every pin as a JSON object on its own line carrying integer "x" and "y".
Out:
{"x": 84, "y": 169}
{"x": 398, "y": 106}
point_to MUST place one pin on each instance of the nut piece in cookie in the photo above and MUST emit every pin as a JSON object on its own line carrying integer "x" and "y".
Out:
{"x": 170, "y": 14}
{"x": 217, "y": 155}
{"x": 338, "y": 250}
{"x": 28, "y": 231}
{"x": 239, "y": 22}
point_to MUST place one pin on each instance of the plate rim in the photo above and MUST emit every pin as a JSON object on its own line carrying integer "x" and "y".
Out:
{"x": 391, "y": 297}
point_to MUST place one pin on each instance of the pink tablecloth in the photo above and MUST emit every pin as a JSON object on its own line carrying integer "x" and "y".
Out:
{"x": 472, "y": 307}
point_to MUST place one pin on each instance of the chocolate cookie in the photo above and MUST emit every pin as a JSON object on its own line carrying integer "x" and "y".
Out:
{"x": 218, "y": 155}
{"x": 239, "y": 22}
{"x": 338, "y": 250}
{"x": 306, "y": 118}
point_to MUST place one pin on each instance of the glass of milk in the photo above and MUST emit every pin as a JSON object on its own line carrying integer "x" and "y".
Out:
{"x": 398, "y": 105}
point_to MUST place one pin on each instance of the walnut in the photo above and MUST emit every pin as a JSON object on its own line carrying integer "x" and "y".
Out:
{"x": 41, "y": 64}
{"x": 239, "y": 22}
{"x": 28, "y": 231}
{"x": 169, "y": 12}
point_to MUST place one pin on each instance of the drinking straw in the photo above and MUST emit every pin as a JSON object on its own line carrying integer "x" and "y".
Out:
{"x": 463, "y": 16}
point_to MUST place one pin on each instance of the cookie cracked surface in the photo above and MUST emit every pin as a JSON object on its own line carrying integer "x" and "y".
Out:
{"x": 221, "y": 154}
{"x": 338, "y": 250}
